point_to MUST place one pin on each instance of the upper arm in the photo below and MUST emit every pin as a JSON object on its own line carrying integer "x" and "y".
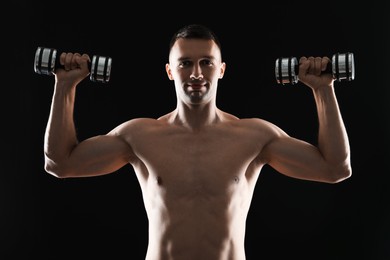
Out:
{"x": 295, "y": 158}
{"x": 94, "y": 156}
{"x": 101, "y": 155}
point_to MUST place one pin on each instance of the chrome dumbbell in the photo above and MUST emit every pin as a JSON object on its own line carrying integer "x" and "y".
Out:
{"x": 46, "y": 61}
{"x": 342, "y": 68}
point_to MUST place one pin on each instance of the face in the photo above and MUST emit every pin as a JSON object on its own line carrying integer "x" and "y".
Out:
{"x": 195, "y": 66}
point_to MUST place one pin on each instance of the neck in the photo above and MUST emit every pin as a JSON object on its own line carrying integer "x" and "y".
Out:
{"x": 196, "y": 117}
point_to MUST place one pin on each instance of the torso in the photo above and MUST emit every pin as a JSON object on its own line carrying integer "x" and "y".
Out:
{"x": 197, "y": 186}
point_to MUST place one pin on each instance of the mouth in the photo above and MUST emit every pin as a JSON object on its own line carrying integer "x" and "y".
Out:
{"x": 196, "y": 86}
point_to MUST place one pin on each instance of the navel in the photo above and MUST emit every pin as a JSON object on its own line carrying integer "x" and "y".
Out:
{"x": 236, "y": 179}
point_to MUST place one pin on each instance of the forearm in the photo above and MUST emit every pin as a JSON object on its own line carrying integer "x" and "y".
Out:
{"x": 333, "y": 140}
{"x": 60, "y": 135}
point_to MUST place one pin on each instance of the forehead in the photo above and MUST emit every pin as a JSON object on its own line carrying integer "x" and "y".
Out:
{"x": 194, "y": 48}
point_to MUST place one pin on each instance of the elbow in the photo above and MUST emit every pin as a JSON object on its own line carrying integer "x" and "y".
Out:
{"x": 340, "y": 173}
{"x": 55, "y": 169}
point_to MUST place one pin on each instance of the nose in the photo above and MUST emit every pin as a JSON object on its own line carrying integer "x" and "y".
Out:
{"x": 199, "y": 77}
{"x": 196, "y": 73}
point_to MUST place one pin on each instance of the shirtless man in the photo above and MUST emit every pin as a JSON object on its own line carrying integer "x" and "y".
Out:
{"x": 197, "y": 165}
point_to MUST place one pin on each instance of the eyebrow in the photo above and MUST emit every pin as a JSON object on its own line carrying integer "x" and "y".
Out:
{"x": 204, "y": 57}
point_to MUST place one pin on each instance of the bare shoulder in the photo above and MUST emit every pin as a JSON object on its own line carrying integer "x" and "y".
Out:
{"x": 254, "y": 124}
{"x": 261, "y": 124}
{"x": 136, "y": 125}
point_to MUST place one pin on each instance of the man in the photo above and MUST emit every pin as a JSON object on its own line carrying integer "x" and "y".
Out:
{"x": 197, "y": 165}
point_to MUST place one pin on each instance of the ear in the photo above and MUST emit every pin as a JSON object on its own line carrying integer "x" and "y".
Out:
{"x": 168, "y": 70}
{"x": 222, "y": 70}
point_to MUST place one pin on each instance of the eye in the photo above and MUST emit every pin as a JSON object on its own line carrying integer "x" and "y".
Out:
{"x": 184, "y": 63}
{"x": 207, "y": 62}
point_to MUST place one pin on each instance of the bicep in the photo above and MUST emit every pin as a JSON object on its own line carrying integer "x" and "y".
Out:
{"x": 295, "y": 158}
{"x": 99, "y": 155}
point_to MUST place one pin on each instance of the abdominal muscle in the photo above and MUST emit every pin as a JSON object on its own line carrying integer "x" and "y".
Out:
{"x": 201, "y": 223}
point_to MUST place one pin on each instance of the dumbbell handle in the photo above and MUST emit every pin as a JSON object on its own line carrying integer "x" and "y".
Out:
{"x": 342, "y": 68}
{"x": 47, "y": 61}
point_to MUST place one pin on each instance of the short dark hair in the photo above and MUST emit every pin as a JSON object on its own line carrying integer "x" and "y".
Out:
{"x": 195, "y": 31}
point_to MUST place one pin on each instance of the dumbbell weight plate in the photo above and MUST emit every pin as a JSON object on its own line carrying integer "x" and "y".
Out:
{"x": 100, "y": 69}
{"x": 286, "y": 70}
{"x": 44, "y": 61}
{"x": 343, "y": 66}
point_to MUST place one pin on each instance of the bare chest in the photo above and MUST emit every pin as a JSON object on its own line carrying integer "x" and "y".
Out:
{"x": 211, "y": 163}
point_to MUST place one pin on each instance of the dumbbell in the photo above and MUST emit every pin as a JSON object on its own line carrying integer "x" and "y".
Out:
{"x": 342, "y": 68}
{"x": 46, "y": 62}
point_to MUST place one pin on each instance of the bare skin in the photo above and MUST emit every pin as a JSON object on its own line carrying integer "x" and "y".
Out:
{"x": 197, "y": 165}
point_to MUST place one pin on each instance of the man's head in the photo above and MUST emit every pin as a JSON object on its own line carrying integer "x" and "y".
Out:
{"x": 195, "y": 64}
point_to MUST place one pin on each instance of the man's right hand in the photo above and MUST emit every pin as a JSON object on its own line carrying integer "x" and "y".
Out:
{"x": 75, "y": 68}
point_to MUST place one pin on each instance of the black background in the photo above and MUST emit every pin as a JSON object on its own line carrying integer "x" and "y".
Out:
{"x": 87, "y": 218}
